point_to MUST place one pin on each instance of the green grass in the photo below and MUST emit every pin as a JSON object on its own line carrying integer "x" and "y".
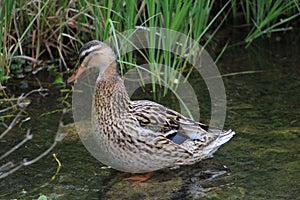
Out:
{"x": 266, "y": 17}
{"x": 5, "y": 24}
{"x": 175, "y": 16}
{"x": 55, "y": 30}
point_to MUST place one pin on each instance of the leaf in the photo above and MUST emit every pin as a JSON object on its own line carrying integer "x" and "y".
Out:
{"x": 42, "y": 197}
{"x": 58, "y": 80}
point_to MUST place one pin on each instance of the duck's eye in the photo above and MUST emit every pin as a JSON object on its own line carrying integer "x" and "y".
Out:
{"x": 83, "y": 55}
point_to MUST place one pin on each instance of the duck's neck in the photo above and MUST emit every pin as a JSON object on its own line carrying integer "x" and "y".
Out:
{"x": 110, "y": 72}
{"x": 111, "y": 98}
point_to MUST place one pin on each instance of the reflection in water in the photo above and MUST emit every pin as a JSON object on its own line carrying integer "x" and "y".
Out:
{"x": 263, "y": 159}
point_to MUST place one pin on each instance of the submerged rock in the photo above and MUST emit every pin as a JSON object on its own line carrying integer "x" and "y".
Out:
{"x": 188, "y": 182}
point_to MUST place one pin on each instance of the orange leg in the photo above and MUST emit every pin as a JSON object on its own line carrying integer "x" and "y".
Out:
{"x": 139, "y": 178}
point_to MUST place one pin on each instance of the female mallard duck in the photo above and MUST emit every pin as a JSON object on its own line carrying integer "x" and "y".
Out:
{"x": 141, "y": 136}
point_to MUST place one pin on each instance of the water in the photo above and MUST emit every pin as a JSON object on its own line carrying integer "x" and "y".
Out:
{"x": 262, "y": 161}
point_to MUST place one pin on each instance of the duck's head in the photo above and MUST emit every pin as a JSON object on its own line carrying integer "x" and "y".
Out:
{"x": 93, "y": 54}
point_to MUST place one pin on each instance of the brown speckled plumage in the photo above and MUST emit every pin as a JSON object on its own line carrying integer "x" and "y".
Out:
{"x": 139, "y": 136}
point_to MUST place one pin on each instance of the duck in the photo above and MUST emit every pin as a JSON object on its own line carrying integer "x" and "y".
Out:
{"x": 140, "y": 136}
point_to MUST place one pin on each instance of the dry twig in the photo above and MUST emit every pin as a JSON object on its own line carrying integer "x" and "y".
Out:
{"x": 20, "y": 103}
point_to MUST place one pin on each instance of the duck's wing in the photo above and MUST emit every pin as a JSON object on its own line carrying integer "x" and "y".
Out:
{"x": 169, "y": 123}
{"x": 171, "y": 130}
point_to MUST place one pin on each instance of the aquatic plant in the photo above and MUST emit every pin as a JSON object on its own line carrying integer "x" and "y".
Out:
{"x": 5, "y": 16}
{"x": 51, "y": 29}
{"x": 266, "y": 17}
{"x": 36, "y": 31}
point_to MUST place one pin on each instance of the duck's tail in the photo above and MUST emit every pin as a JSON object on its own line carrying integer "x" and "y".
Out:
{"x": 213, "y": 146}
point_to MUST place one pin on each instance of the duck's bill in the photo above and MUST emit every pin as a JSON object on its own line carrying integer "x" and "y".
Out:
{"x": 77, "y": 73}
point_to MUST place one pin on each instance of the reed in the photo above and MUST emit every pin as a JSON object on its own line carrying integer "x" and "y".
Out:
{"x": 266, "y": 17}
{"x": 5, "y": 24}
{"x": 189, "y": 18}
{"x": 38, "y": 30}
